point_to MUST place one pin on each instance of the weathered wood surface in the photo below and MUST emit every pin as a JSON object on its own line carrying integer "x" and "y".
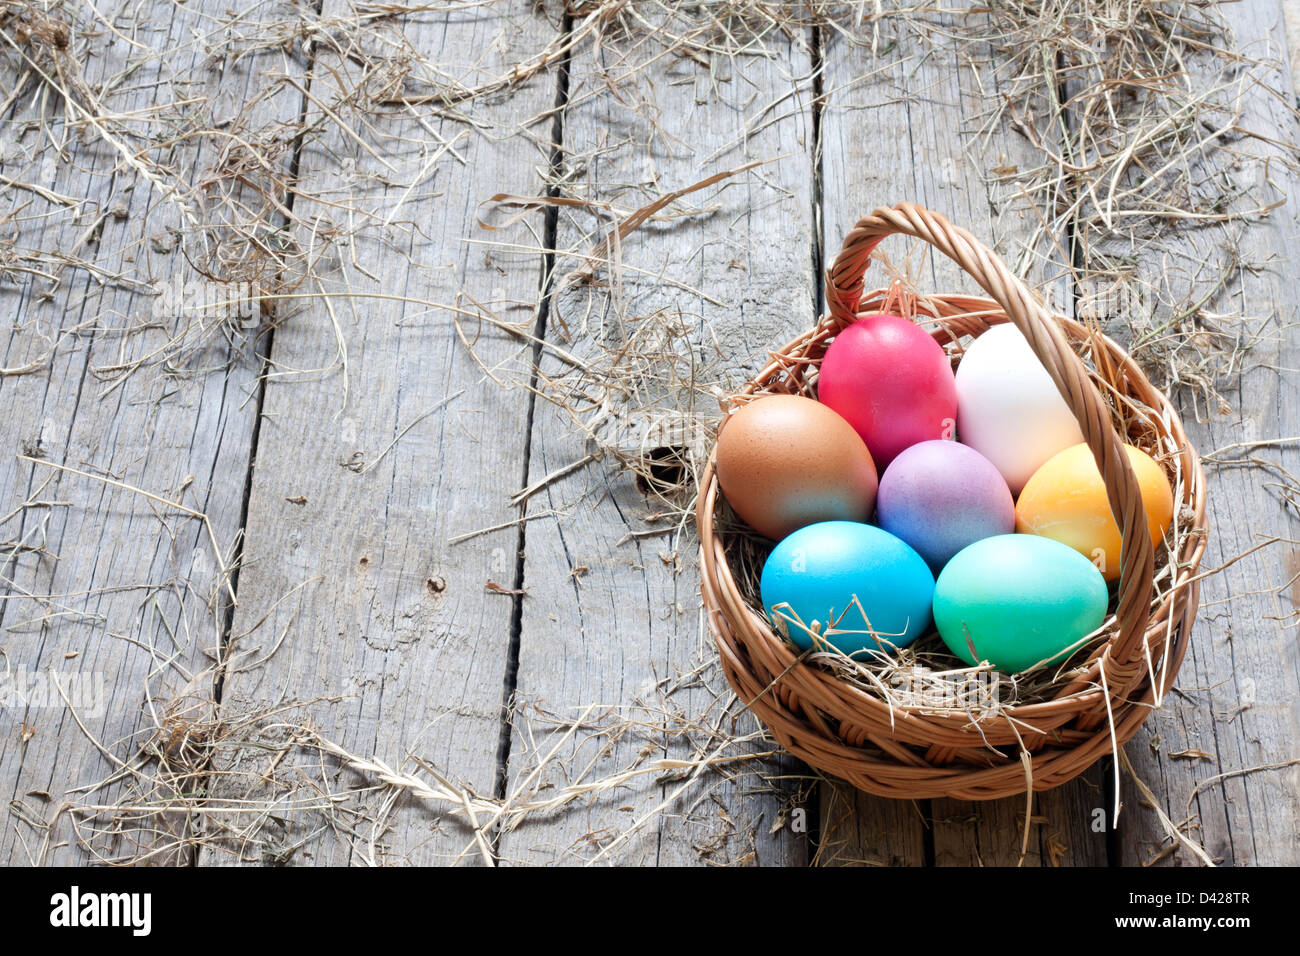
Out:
{"x": 1236, "y": 702}
{"x": 391, "y": 638}
{"x": 613, "y": 618}
{"x": 109, "y": 589}
{"x": 915, "y": 124}
{"x": 384, "y": 633}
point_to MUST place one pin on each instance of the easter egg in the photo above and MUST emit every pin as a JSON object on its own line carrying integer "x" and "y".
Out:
{"x": 1065, "y": 500}
{"x": 892, "y": 382}
{"x": 1008, "y": 407}
{"x": 785, "y": 461}
{"x": 939, "y": 496}
{"x": 858, "y": 588}
{"x": 1018, "y": 599}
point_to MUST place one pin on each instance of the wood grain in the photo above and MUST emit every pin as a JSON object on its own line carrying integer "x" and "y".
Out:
{"x": 1221, "y": 755}
{"x": 628, "y": 625}
{"x": 362, "y": 439}
{"x": 391, "y": 640}
{"x": 910, "y": 125}
{"x": 131, "y": 580}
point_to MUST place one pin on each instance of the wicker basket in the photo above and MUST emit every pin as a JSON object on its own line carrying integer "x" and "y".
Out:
{"x": 845, "y": 730}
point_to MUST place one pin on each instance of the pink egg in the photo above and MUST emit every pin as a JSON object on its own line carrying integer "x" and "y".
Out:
{"x": 940, "y": 496}
{"x": 892, "y": 382}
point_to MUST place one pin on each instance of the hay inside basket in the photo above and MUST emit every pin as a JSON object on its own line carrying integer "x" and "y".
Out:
{"x": 919, "y": 722}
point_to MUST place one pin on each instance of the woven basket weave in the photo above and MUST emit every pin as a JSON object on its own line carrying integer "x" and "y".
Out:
{"x": 845, "y": 730}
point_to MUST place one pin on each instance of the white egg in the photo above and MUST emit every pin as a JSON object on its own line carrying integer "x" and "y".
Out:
{"x": 1008, "y": 407}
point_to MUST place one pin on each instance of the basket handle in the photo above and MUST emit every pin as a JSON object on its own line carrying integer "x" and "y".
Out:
{"x": 844, "y": 283}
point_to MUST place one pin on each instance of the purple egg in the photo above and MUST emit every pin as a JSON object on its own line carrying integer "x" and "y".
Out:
{"x": 940, "y": 496}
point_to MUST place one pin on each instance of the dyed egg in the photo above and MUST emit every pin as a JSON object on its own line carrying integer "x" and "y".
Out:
{"x": 892, "y": 382}
{"x": 1008, "y": 407}
{"x": 811, "y": 580}
{"x": 939, "y": 496}
{"x": 1066, "y": 501}
{"x": 1018, "y": 599}
{"x": 785, "y": 461}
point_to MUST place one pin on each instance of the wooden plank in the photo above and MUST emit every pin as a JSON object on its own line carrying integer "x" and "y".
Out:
{"x": 129, "y": 620}
{"x": 364, "y": 475}
{"x": 741, "y": 276}
{"x": 858, "y": 829}
{"x": 1237, "y": 700}
{"x": 913, "y": 125}
{"x": 411, "y": 649}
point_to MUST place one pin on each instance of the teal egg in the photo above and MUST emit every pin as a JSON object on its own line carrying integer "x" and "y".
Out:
{"x": 814, "y": 574}
{"x": 1019, "y": 599}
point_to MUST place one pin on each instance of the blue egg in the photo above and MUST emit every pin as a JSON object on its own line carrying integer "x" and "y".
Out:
{"x": 811, "y": 578}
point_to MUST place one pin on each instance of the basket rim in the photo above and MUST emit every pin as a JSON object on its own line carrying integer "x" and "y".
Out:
{"x": 1122, "y": 681}
{"x": 1086, "y": 686}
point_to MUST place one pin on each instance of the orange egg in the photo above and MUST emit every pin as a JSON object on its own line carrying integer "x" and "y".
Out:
{"x": 1065, "y": 500}
{"x": 785, "y": 461}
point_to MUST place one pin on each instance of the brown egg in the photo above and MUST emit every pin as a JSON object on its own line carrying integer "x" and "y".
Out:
{"x": 785, "y": 461}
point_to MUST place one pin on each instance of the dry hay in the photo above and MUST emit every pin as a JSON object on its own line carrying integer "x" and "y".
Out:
{"x": 1135, "y": 110}
{"x": 260, "y": 786}
{"x": 926, "y": 676}
{"x": 1138, "y": 111}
